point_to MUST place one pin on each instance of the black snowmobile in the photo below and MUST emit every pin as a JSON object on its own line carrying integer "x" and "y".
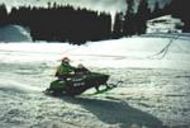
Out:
{"x": 77, "y": 84}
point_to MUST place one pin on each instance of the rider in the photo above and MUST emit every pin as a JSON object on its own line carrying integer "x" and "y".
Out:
{"x": 81, "y": 70}
{"x": 65, "y": 69}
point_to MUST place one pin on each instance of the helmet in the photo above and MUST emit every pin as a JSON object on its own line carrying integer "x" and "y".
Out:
{"x": 80, "y": 66}
{"x": 65, "y": 59}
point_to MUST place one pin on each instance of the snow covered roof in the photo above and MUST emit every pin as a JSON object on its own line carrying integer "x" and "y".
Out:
{"x": 164, "y": 24}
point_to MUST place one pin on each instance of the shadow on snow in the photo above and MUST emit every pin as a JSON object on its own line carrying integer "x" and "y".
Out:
{"x": 112, "y": 112}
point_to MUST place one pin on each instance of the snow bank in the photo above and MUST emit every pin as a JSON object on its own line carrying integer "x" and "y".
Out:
{"x": 14, "y": 33}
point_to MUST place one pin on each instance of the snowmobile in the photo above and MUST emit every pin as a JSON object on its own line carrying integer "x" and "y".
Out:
{"x": 77, "y": 84}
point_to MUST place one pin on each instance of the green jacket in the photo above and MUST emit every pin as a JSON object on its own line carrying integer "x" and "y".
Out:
{"x": 64, "y": 69}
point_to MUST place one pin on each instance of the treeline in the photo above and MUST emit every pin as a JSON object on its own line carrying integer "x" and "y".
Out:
{"x": 65, "y": 23}
{"x": 59, "y": 23}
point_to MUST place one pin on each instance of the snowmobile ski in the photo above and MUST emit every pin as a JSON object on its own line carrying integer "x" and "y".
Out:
{"x": 108, "y": 88}
{"x": 103, "y": 90}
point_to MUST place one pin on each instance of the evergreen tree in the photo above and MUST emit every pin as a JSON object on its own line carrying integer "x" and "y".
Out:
{"x": 156, "y": 7}
{"x": 129, "y": 23}
{"x": 118, "y": 25}
{"x": 3, "y": 15}
{"x": 143, "y": 14}
{"x": 157, "y": 10}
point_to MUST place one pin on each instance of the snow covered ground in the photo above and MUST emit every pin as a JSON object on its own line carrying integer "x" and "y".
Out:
{"x": 155, "y": 93}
